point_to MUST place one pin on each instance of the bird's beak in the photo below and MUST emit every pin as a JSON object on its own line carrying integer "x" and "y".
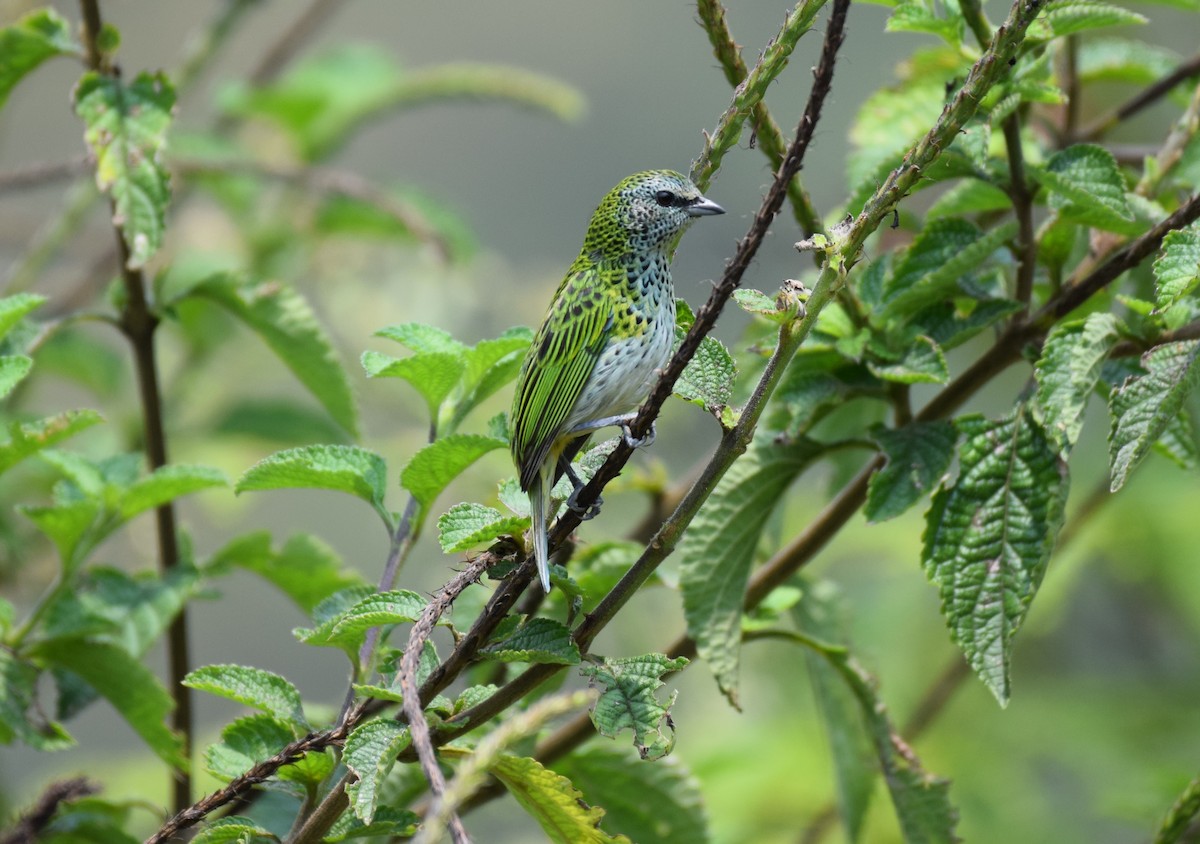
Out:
{"x": 704, "y": 208}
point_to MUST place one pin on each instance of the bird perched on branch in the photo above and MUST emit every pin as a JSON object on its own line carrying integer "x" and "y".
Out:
{"x": 608, "y": 332}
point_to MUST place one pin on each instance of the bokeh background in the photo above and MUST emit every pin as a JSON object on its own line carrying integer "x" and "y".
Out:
{"x": 1102, "y": 730}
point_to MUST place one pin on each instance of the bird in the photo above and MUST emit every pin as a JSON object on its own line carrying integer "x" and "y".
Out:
{"x": 608, "y": 332}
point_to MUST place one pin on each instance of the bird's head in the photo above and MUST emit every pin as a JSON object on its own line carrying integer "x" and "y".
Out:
{"x": 646, "y": 210}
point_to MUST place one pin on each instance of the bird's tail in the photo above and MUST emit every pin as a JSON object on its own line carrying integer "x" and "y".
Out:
{"x": 539, "y": 503}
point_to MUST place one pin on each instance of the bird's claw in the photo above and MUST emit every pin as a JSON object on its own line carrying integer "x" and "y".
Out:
{"x": 638, "y": 442}
{"x": 584, "y": 513}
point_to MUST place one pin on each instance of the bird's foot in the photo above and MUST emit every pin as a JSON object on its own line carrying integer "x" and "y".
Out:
{"x": 584, "y": 513}
{"x": 638, "y": 442}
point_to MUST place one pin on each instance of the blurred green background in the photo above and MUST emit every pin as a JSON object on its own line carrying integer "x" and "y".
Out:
{"x": 1102, "y": 731}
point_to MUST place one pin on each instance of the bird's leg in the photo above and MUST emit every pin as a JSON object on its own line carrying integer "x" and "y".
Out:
{"x": 635, "y": 442}
{"x": 573, "y": 500}
{"x": 623, "y": 420}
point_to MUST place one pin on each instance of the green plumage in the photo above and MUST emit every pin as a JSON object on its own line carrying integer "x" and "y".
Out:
{"x": 608, "y": 331}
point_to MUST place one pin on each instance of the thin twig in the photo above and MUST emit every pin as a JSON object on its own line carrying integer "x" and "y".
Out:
{"x": 42, "y": 173}
{"x": 1144, "y": 99}
{"x": 138, "y": 322}
{"x": 257, "y": 774}
{"x": 30, "y": 826}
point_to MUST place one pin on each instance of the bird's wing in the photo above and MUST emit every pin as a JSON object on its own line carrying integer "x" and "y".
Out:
{"x": 559, "y": 362}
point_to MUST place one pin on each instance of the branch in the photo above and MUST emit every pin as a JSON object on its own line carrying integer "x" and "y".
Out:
{"x": 260, "y": 773}
{"x": 31, "y": 825}
{"x": 42, "y": 173}
{"x": 1152, "y": 94}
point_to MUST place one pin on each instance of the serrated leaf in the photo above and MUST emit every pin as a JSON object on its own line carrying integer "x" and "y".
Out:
{"x": 970, "y": 196}
{"x": 254, "y": 687}
{"x": 1123, "y": 60}
{"x": 235, "y": 830}
{"x": 537, "y": 640}
{"x": 244, "y": 743}
{"x": 13, "y": 369}
{"x": 949, "y": 327}
{"x": 388, "y": 822}
{"x": 717, "y": 551}
{"x": 946, "y": 250}
{"x": 14, "y": 308}
{"x": 552, "y": 801}
{"x": 305, "y": 569}
{"x": 342, "y": 468}
{"x": 27, "y": 438}
{"x": 466, "y": 526}
{"x": 65, "y": 524}
{"x": 1086, "y": 185}
{"x": 941, "y": 20}
{"x": 628, "y": 701}
{"x": 1143, "y": 406}
{"x": 370, "y": 752}
{"x": 129, "y": 686}
{"x": 707, "y": 380}
{"x": 1067, "y": 17}
{"x": 758, "y": 303}
{"x": 1178, "y": 442}
{"x": 126, "y": 129}
{"x": 18, "y": 700}
{"x": 1068, "y": 371}
{"x": 437, "y": 464}
{"x": 421, "y": 338}
{"x": 989, "y": 536}
{"x": 432, "y": 374}
{"x": 285, "y": 321}
{"x": 489, "y": 365}
{"x": 348, "y": 629}
{"x": 821, "y": 613}
{"x": 164, "y": 485}
{"x": 917, "y": 456}
{"x": 27, "y": 43}
{"x": 1177, "y": 268}
{"x": 652, "y": 804}
{"x": 922, "y": 363}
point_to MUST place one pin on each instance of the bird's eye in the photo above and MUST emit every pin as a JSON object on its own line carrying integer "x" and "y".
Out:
{"x": 665, "y": 198}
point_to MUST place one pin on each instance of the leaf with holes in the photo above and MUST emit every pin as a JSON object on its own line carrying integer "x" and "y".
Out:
{"x": 628, "y": 701}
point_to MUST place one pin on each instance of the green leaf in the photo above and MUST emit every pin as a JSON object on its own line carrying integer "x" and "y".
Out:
{"x": 343, "y": 468}
{"x": 244, "y": 743}
{"x": 388, "y": 822}
{"x": 950, "y": 327}
{"x": 1177, "y": 268}
{"x": 14, "y": 308}
{"x": 717, "y": 551}
{"x": 707, "y": 380}
{"x": 126, "y": 129}
{"x": 1067, "y": 17}
{"x": 1069, "y": 370}
{"x": 922, "y": 363}
{"x": 552, "y": 801}
{"x": 947, "y": 249}
{"x": 821, "y": 613}
{"x": 326, "y": 97}
{"x": 280, "y": 422}
{"x": 1086, "y": 185}
{"x": 348, "y": 629}
{"x": 758, "y": 303}
{"x": 65, "y": 524}
{"x": 652, "y": 804}
{"x": 421, "y": 338}
{"x": 1144, "y": 405}
{"x": 305, "y": 569}
{"x": 29, "y": 438}
{"x": 402, "y": 213}
{"x": 370, "y": 753}
{"x": 234, "y": 830}
{"x": 18, "y": 702}
{"x": 941, "y": 20}
{"x": 432, "y": 374}
{"x": 917, "y": 456}
{"x": 989, "y": 536}
{"x": 129, "y": 686}
{"x": 285, "y": 321}
{"x": 970, "y": 196}
{"x": 254, "y": 687}
{"x": 437, "y": 464}
{"x": 490, "y": 365}
{"x": 1178, "y": 442}
{"x": 466, "y": 526}
{"x": 628, "y": 701}
{"x": 165, "y": 484}
{"x": 27, "y": 43}
{"x": 537, "y": 640}
{"x": 1123, "y": 60}
{"x": 13, "y": 369}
